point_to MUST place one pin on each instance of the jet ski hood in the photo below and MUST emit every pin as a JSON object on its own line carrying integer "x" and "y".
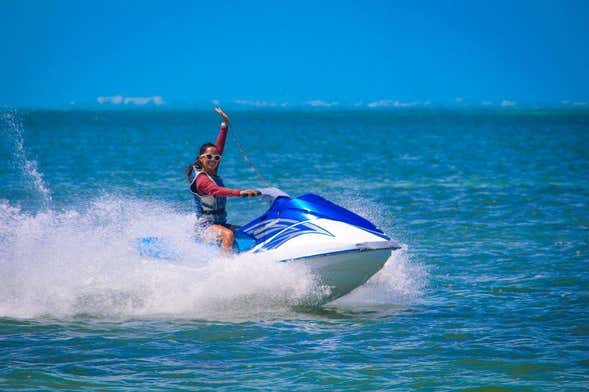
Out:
{"x": 286, "y": 211}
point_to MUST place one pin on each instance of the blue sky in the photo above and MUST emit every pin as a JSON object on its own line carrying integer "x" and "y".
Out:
{"x": 378, "y": 53}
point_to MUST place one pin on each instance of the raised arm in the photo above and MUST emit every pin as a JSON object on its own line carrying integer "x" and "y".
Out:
{"x": 222, "y": 131}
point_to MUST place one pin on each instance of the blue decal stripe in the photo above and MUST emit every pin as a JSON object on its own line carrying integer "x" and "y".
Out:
{"x": 269, "y": 227}
{"x": 376, "y": 233}
{"x": 293, "y": 232}
{"x": 363, "y": 250}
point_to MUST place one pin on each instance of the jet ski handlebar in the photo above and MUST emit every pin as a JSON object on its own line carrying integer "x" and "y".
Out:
{"x": 249, "y": 193}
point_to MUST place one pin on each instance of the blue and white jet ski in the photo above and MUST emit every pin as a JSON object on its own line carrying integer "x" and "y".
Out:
{"x": 342, "y": 249}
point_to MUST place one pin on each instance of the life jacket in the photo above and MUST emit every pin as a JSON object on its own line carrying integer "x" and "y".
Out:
{"x": 209, "y": 209}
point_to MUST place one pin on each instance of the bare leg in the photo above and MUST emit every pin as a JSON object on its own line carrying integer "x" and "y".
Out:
{"x": 224, "y": 235}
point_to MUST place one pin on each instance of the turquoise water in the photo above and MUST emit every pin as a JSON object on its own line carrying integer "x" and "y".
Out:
{"x": 489, "y": 292}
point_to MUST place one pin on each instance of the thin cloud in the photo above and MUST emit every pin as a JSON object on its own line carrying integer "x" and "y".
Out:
{"x": 579, "y": 103}
{"x": 383, "y": 103}
{"x": 260, "y": 104}
{"x": 387, "y": 103}
{"x": 399, "y": 104}
{"x": 321, "y": 104}
{"x": 506, "y": 103}
{"x": 115, "y": 100}
{"x": 119, "y": 99}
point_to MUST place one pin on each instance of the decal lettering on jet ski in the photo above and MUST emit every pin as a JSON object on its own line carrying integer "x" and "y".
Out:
{"x": 265, "y": 229}
{"x": 292, "y": 232}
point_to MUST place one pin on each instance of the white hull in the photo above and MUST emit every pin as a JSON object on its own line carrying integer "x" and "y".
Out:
{"x": 341, "y": 256}
{"x": 343, "y": 272}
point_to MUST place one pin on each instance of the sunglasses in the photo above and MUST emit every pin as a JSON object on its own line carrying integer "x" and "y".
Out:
{"x": 216, "y": 157}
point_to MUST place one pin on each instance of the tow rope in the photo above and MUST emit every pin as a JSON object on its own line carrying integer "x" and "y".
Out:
{"x": 244, "y": 155}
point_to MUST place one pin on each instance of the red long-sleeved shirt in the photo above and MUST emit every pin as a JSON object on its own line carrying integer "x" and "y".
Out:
{"x": 204, "y": 185}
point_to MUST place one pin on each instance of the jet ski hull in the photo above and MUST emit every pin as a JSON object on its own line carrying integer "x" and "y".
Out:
{"x": 341, "y": 256}
{"x": 344, "y": 271}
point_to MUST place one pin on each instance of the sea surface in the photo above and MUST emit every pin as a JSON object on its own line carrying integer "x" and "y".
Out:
{"x": 490, "y": 291}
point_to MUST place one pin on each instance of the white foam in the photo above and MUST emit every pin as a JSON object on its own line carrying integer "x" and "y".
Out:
{"x": 83, "y": 261}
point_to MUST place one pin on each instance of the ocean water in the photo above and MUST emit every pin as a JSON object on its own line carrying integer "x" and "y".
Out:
{"x": 490, "y": 291}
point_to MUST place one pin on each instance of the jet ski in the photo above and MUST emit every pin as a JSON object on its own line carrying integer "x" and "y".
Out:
{"x": 342, "y": 249}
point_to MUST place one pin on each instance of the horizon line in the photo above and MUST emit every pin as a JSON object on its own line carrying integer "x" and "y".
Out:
{"x": 200, "y": 108}
{"x": 120, "y": 102}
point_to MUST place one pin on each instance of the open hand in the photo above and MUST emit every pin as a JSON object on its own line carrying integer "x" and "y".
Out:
{"x": 221, "y": 113}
